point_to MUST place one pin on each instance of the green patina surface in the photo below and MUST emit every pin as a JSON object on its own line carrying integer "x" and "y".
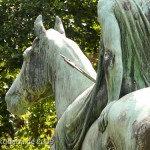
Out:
{"x": 131, "y": 24}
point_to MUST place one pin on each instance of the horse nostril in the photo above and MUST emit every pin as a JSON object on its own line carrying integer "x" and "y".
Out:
{"x": 8, "y": 100}
{"x": 7, "y": 97}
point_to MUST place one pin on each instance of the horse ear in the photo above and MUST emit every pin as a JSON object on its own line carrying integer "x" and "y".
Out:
{"x": 59, "y": 26}
{"x": 39, "y": 27}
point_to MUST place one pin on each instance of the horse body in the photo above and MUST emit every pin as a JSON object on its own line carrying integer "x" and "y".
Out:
{"x": 128, "y": 124}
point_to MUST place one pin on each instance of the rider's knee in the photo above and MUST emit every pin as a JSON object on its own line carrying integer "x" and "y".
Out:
{"x": 109, "y": 59}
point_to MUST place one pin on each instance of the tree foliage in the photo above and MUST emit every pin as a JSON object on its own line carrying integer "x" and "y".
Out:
{"x": 17, "y": 18}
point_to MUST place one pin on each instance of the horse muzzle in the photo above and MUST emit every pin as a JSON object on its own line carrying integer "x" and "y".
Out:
{"x": 15, "y": 104}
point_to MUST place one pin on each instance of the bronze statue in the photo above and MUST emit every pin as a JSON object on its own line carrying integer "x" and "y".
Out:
{"x": 113, "y": 113}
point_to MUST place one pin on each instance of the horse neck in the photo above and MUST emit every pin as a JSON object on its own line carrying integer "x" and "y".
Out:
{"x": 68, "y": 83}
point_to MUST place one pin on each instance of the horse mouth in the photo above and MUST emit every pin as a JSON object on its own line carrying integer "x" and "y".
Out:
{"x": 16, "y": 111}
{"x": 15, "y": 105}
